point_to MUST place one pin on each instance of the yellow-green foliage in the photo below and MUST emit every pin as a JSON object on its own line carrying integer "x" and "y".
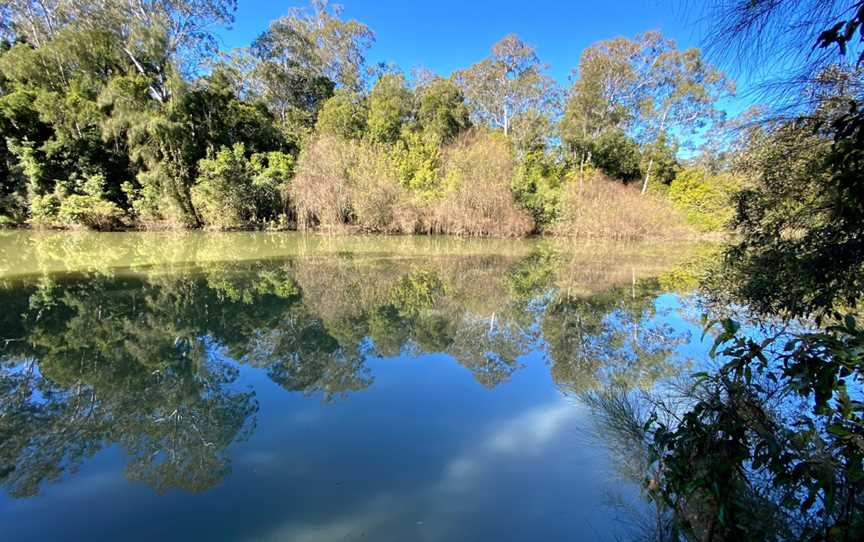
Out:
{"x": 89, "y": 211}
{"x": 417, "y": 157}
{"x": 686, "y": 276}
{"x": 233, "y": 191}
{"x": 43, "y": 209}
{"x": 704, "y": 199}
{"x": 222, "y": 196}
{"x": 416, "y": 291}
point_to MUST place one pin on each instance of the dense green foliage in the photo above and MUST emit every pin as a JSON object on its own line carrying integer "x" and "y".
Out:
{"x": 705, "y": 198}
{"x": 768, "y": 444}
{"x": 178, "y": 132}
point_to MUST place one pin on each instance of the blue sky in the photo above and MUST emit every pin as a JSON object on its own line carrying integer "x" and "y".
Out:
{"x": 446, "y": 35}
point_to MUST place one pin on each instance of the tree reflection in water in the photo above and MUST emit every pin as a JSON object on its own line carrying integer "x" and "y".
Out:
{"x": 149, "y": 359}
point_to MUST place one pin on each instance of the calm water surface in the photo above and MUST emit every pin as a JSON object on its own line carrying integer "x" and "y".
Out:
{"x": 304, "y": 388}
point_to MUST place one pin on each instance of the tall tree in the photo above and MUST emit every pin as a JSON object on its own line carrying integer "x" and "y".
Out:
{"x": 600, "y": 101}
{"x": 646, "y": 87}
{"x": 509, "y": 83}
{"x": 316, "y": 42}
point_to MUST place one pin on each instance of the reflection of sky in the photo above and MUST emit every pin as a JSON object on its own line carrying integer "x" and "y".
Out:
{"x": 426, "y": 453}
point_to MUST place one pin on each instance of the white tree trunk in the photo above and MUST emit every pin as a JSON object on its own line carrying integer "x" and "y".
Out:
{"x": 647, "y": 176}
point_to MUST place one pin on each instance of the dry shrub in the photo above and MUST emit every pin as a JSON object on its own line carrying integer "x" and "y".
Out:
{"x": 343, "y": 184}
{"x": 321, "y": 190}
{"x": 603, "y": 208}
{"x": 478, "y": 168}
{"x": 380, "y": 203}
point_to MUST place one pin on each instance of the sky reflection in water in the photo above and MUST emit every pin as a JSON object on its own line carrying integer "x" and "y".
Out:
{"x": 284, "y": 387}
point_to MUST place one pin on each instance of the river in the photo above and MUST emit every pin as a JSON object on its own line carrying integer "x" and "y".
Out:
{"x": 281, "y": 386}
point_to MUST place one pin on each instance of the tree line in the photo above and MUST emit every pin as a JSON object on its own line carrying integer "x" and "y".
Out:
{"x": 127, "y": 114}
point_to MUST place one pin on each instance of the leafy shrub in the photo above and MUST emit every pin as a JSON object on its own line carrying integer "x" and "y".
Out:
{"x": 442, "y": 113}
{"x": 704, "y": 199}
{"x": 222, "y": 196}
{"x": 390, "y": 104}
{"x": 603, "y": 208}
{"x": 417, "y": 157}
{"x": 43, "y": 209}
{"x": 343, "y": 115}
{"x": 273, "y": 173}
{"x": 537, "y": 186}
{"x": 617, "y": 155}
{"x": 233, "y": 191}
{"x": 89, "y": 211}
{"x": 86, "y": 207}
{"x": 144, "y": 202}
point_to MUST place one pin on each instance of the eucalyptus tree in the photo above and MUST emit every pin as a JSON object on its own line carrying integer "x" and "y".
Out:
{"x": 156, "y": 37}
{"x": 646, "y": 87}
{"x": 302, "y": 58}
{"x": 509, "y": 83}
{"x": 317, "y": 41}
{"x": 677, "y": 93}
{"x": 598, "y": 101}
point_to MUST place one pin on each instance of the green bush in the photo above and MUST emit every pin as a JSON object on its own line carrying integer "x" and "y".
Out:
{"x": 537, "y": 187}
{"x": 390, "y": 105}
{"x": 43, "y": 209}
{"x": 233, "y": 191}
{"x": 273, "y": 173}
{"x": 704, "y": 199}
{"x": 418, "y": 159}
{"x": 343, "y": 115}
{"x": 442, "y": 113}
{"x": 89, "y": 211}
{"x": 617, "y": 155}
{"x": 222, "y": 194}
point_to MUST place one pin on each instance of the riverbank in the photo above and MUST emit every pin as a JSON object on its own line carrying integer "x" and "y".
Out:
{"x": 598, "y": 208}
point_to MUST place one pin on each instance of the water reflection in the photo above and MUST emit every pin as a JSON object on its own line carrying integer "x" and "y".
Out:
{"x": 122, "y": 352}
